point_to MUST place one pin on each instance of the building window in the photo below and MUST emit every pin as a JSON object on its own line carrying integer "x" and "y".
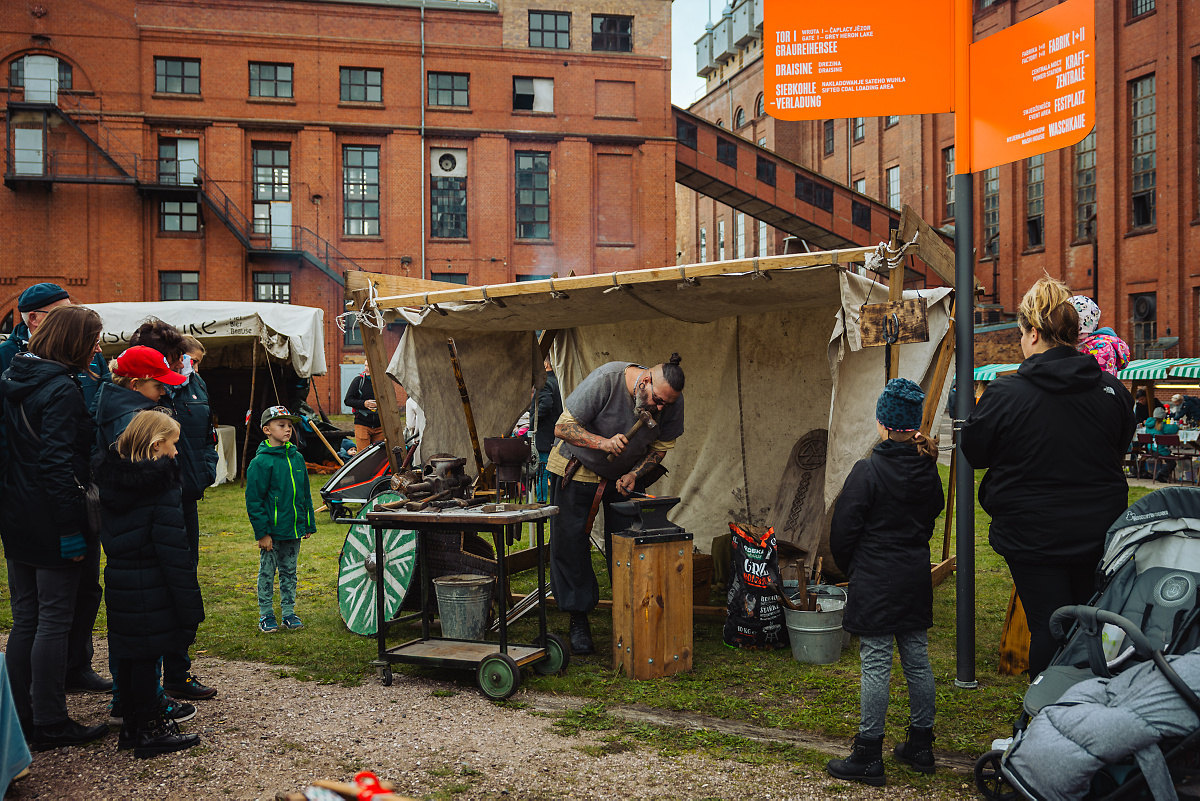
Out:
{"x": 765, "y": 170}
{"x": 888, "y": 122}
{"x": 720, "y": 240}
{"x": 360, "y": 190}
{"x": 16, "y": 74}
{"x": 1139, "y": 7}
{"x": 179, "y": 286}
{"x": 550, "y": 29}
{"x": 448, "y": 208}
{"x": 720, "y": 123}
{"x": 273, "y": 287}
{"x": 1145, "y": 153}
{"x": 828, "y": 137}
{"x": 758, "y": 105}
{"x": 449, "y": 278}
{"x": 177, "y": 76}
{"x": 739, "y": 118}
{"x": 860, "y": 215}
{"x": 176, "y": 216}
{"x": 762, "y": 238}
{"x": 272, "y": 183}
{"x": 1035, "y": 201}
{"x": 814, "y": 193}
{"x": 739, "y": 236}
{"x": 991, "y": 212}
{"x": 703, "y": 245}
{"x": 270, "y": 80}
{"x": 448, "y": 89}
{"x": 362, "y": 85}
{"x": 1144, "y": 311}
{"x": 612, "y": 34}
{"x": 533, "y": 94}
{"x": 685, "y": 133}
{"x": 168, "y": 161}
{"x": 352, "y": 337}
{"x": 859, "y": 185}
{"x": 948, "y": 166}
{"x": 533, "y": 195}
{"x": 891, "y": 177}
{"x": 726, "y": 152}
{"x": 1085, "y": 184}
{"x": 860, "y": 128}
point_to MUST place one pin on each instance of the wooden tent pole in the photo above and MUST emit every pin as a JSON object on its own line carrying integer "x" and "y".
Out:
{"x": 389, "y": 411}
{"x": 249, "y": 414}
{"x": 949, "y": 507}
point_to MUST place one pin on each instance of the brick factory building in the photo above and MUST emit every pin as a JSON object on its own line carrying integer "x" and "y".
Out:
{"x": 199, "y": 149}
{"x": 1030, "y": 216}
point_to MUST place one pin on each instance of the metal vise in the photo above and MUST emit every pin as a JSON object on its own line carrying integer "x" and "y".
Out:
{"x": 443, "y": 476}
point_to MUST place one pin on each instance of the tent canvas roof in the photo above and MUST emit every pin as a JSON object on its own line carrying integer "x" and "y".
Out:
{"x": 289, "y": 333}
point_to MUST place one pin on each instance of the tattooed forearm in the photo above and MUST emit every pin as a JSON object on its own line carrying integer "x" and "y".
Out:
{"x": 577, "y": 435}
{"x": 644, "y": 466}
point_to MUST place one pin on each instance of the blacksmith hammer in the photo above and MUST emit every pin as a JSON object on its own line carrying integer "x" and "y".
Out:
{"x": 644, "y": 419}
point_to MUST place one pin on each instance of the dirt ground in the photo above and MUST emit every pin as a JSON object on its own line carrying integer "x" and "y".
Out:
{"x": 264, "y": 734}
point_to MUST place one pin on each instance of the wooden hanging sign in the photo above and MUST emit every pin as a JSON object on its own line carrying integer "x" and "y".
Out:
{"x": 908, "y": 319}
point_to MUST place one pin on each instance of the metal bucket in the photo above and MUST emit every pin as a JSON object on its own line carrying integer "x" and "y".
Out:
{"x": 816, "y": 637}
{"x": 464, "y": 601}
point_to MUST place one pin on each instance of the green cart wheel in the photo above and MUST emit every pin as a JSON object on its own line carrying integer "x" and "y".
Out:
{"x": 557, "y": 656}
{"x": 358, "y": 573}
{"x": 498, "y": 676}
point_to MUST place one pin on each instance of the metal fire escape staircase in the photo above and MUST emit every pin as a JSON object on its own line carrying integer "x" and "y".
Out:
{"x": 105, "y": 160}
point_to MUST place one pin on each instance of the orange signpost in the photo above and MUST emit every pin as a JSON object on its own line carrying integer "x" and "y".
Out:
{"x": 1032, "y": 86}
{"x": 865, "y": 58}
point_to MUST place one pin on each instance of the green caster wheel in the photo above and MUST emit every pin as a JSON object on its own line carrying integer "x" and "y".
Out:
{"x": 498, "y": 676}
{"x": 557, "y": 657}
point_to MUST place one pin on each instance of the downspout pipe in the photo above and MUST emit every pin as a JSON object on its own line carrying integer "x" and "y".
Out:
{"x": 423, "y": 166}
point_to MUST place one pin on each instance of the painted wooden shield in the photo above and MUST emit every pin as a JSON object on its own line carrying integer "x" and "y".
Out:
{"x": 358, "y": 574}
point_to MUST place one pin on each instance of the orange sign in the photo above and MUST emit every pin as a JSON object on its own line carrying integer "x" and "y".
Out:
{"x": 1033, "y": 86}
{"x": 866, "y": 58}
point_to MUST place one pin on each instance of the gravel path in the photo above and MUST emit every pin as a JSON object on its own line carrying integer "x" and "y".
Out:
{"x": 264, "y": 734}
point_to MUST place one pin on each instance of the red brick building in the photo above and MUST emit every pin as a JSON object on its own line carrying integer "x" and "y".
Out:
{"x": 1137, "y": 173}
{"x": 200, "y": 149}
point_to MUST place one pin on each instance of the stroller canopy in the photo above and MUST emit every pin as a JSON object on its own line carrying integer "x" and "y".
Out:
{"x": 1170, "y": 511}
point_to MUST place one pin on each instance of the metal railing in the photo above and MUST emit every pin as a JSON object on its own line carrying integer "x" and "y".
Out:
{"x": 71, "y": 166}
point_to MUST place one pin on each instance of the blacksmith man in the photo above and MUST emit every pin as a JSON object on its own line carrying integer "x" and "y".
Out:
{"x": 593, "y": 425}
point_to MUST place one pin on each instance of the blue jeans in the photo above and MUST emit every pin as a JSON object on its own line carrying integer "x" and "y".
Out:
{"x": 280, "y": 559}
{"x": 543, "y": 477}
{"x": 876, "y": 656}
{"x": 43, "y": 606}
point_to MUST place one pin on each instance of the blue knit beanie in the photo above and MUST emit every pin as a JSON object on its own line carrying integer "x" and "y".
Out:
{"x": 39, "y": 296}
{"x": 900, "y": 405}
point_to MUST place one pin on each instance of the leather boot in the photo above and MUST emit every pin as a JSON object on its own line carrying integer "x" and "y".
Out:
{"x": 64, "y": 733}
{"x": 580, "y": 634}
{"x": 865, "y": 763}
{"x": 917, "y": 749}
{"x": 161, "y": 736}
{"x": 127, "y": 737}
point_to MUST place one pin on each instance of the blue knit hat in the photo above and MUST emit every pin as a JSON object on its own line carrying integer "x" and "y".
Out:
{"x": 39, "y": 296}
{"x": 900, "y": 405}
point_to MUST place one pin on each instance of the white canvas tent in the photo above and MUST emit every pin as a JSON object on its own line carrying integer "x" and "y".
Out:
{"x": 291, "y": 334}
{"x": 769, "y": 354}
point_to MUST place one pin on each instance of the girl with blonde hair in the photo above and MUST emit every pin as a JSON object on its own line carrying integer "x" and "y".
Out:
{"x": 1052, "y": 437}
{"x": 151, "y": 591}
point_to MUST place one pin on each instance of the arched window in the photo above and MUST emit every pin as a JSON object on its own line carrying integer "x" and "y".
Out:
{"x": 739, "y": 119}
{"x": 758, "y": 106}
{"x": 720, "y": 123}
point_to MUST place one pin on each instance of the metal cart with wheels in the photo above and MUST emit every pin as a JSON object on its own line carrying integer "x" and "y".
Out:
{"x": 497, "y": 665}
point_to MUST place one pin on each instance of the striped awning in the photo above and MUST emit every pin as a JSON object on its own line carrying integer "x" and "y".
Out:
{"x": 989, "y": 371}
{"x": 1155, "y": 369}
{"x": 1186, "y": 370}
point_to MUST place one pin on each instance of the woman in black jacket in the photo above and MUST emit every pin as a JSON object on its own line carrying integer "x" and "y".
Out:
{"x": 151, "y": 592}
{"x": 1052, "y": 437}
{"x": 43, "y": 516}
{"x": 360, "y": 396}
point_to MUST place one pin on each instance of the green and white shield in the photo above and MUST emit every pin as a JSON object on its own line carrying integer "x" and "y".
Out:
{"x": 358, "y": 574}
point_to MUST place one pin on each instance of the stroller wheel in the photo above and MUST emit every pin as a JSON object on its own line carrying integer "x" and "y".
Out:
{"x": 990, "y": 781}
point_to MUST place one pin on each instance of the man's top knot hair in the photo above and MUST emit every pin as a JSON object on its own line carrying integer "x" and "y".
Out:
{"x": 673, "y": 373}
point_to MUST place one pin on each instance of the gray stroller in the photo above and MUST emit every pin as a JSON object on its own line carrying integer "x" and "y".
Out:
{"x": 1116, "y": 714}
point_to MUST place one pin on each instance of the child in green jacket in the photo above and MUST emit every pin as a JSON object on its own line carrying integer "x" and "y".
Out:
{"x": 279, "y": 503}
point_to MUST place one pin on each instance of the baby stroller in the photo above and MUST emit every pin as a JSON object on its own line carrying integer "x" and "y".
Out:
{"x": 1116, "y": 715}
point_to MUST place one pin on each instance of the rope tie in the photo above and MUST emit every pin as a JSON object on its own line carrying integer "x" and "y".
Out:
{"x": 615, "y": 287}
{"x": 495, "y": 301}
{"x": 757, "y": 273}
{"x": 369, "y": 315}
{"x": 685, "y": 281}
{"x": 556, "y": 294}
{"x": 882, "y": 259}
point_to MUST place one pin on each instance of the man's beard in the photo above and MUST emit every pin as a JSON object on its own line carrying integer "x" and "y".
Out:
{"x": 642, "y": 402}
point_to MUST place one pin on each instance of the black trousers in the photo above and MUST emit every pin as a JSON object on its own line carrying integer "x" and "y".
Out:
{"x": 1043, "y": 588}
{"x": 571, "y": 575}
{"x": 138, "y": 680}
{"x": 87, "y": 604}
{"x": 176, "y": 664}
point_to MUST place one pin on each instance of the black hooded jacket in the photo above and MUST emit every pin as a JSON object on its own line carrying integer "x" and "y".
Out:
{"x": 116, "y": 407}
{"x": 45, "y": 470}
{"x": 150, "y": 587}
{"x": 197, "y": 437}
{"x": 1052, "y": 437}
{"x": 879, "y": 537}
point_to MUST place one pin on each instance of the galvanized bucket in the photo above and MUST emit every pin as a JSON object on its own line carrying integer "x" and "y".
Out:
{"x": 464, "y": 601}
{"x": 816, "y": 637}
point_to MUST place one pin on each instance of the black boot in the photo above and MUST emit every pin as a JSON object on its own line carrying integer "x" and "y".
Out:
{"x": 161, "y": 736}
{"x": 127, "y": 737}
{"x": 580, "y": 634}
{"x": 865, "y": 763}
{"x": 64, "y": 733}
{"x": 917, "y": 750}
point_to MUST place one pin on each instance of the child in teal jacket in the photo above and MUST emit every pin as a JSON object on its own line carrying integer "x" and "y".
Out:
{"x": 279, "y": 503}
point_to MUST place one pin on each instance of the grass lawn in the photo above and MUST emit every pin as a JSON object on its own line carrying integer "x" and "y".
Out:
{"x": 769, "y": 689}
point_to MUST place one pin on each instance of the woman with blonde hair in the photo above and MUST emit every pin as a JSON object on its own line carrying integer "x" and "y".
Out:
{"x": 151, "y": 592}
{"x": 1052, "y": 437}
{"x": 43, "y": 519}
